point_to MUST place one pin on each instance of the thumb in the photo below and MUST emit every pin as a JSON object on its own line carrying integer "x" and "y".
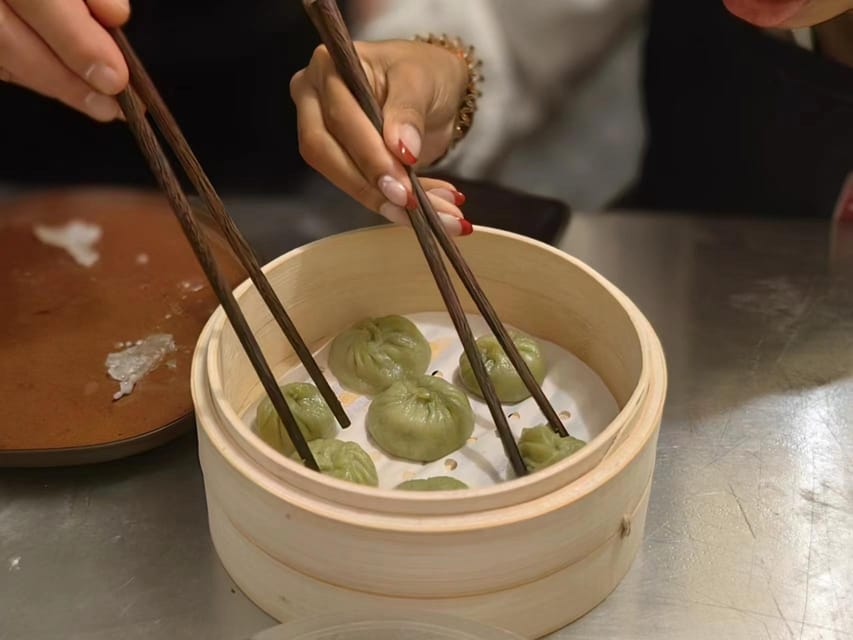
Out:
{"x": 404, "y": 113}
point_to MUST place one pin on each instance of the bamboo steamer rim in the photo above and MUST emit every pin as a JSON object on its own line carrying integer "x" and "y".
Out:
{"x": 286, "y": 471}
{"x": 619, "y": 457}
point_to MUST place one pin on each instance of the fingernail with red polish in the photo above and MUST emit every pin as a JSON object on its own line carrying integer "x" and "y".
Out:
{"x": 444, "y": 194}
{"x": 409, "y": 144}
{"x": 412, "y": 202}
{"x": 449, "y": 195}
{"x": 455, "y": 226}
{"x": 407, "y": 156}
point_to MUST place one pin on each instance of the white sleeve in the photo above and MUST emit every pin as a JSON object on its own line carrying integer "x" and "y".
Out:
{"x": 528, "y": 50}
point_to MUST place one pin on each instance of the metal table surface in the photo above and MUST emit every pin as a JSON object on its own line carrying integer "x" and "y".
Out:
{"x": 750, "y": 525}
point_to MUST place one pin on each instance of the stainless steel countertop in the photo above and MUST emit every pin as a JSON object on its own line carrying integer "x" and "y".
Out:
{"x": 750, "y": 526}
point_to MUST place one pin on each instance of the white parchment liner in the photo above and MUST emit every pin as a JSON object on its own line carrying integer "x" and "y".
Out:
{"x": 575, "y": 391}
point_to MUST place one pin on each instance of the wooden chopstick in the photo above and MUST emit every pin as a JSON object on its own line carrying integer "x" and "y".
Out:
{"x": 454, "y": 255}
{"x": 457, "y": 314}
{"x": 165, "y": 175}
{"x": 330, "y": 25}
{"x": 168, "y": 126}
{"x": 478, "y": 295}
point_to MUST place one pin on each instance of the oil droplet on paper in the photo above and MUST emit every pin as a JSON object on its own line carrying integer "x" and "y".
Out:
{"x": 347, "y": 398}
{"x": 438, "y": 345}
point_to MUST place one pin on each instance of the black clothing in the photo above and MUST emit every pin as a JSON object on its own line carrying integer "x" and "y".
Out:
{"x": 739, "y": 121}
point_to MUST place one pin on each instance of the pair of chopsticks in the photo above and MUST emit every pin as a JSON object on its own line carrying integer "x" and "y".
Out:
{"x": 141, "y": 91}
{"x": 141, "y": 96}
{"x": 329, "y": 23}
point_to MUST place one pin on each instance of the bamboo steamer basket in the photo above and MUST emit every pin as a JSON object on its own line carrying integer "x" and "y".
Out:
{"x": 529, "y": 555}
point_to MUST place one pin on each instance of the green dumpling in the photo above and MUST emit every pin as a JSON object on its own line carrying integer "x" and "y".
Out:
{"x": 541, "y": 447}
{"x": 436, "y": 483}
{"x": 343, "y": 460}
{"x": 509, "y": 386}
{"x": 310, "y": 410}
{"x": 421, "y": 418}
{"x": 374, "y": 353}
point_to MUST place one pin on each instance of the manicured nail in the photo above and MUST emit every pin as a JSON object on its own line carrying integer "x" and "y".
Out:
{"x": 455, "y": 226}
{"x": 444, "y": 194}
{"x": 453, "y": 197}
{"x": 393, "y": 213}
{"x": 440, "y": 203}
{"x": 394, "y": 190}
{"x": 409, "y": 144}
{"x": 103, "y": 78}
{"x": 101, "y": 107}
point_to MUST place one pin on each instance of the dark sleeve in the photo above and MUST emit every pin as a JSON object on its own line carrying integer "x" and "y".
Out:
{"x": 739, "y": 122}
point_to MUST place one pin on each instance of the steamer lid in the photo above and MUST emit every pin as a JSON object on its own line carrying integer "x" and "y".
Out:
{"x": 398, "y": 626}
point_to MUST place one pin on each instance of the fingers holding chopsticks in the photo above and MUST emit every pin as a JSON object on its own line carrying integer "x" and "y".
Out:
{"x": 440, "y": 194}
{"x": 386, "y": 195}
{"x": 327, "y": 110}
{"x": 60, "y": 48}
{"x": 338, "y": 140}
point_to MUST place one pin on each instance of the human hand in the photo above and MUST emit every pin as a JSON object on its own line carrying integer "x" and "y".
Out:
{"x": 419, "y": 87}
{"x": 61, "y": 49}
{"x": 788, "y": 14}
